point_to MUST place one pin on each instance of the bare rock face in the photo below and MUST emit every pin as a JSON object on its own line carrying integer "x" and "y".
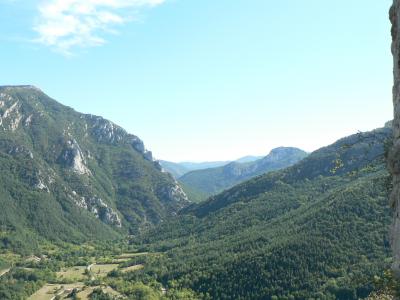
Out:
{"x": 74, "y": 158}
{"x": 102, "y": 211}
{"x": 175, "y": 194}
{"x": 394, "y": 155}
{"x": 106, "y": 131}
{"x": 98, "y": 208}
{"x": 10, "y": 115}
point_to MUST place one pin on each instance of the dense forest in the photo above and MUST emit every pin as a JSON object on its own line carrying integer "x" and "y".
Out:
{"x": 315, "y": 230}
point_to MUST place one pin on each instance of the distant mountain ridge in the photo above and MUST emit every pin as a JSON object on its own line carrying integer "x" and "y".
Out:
{"x": 213, "y": 180}
{"x": 178, "y": 169}
{"x": 181, "y": 168}
{"x": 248, "y": 158}
{"x": 70, "y": 176}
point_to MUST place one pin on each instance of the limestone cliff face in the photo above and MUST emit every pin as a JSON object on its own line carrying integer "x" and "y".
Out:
{"x": 394, "y": 156}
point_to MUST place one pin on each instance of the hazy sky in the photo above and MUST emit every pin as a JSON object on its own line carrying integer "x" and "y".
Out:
{"x": 211, "y": 79}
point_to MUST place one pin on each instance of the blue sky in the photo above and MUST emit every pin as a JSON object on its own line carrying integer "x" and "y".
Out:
{"x": 208, "y": 80}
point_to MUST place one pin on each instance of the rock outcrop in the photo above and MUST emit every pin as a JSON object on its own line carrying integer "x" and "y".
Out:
{"x": 74, "y": 158}
{"x": 175, "y": 193}
{"x": 394, "y": 155}
{"x": 10, "y": 116}
{"x": 108, "y": 132}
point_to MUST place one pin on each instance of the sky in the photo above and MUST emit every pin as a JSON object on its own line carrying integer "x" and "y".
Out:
{"x": 208, "y": 80}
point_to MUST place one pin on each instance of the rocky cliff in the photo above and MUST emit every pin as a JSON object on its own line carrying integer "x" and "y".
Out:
{"x": 394, "y": 156}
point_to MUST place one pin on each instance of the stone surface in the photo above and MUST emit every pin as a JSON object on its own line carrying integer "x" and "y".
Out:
{"x": 10, "y": 115}
{"x": 394, "y": 155}
{"x": 74, "y": 158}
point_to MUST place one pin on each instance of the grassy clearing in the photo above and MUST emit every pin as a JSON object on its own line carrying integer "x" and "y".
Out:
{"x": 4, "y": 271}
{"x": 8, "y": 259}
{"x": 45, "y": 293}
{"x": 74, "y": 273}
{"x": 132, "y": 268}
{"x": 102, "y": 270}
{"x": 74, "y": 277}
{"x": 85, "y": 293}
{"x": 130, "y": 255}
{"x": 112, "y": 292}
{"x": 120, "y": 260}
{"x": 51, "y": 290}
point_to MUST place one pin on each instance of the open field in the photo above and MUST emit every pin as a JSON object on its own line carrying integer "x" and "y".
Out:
{"x": 77, "y": 275}
{"x": 74, "y": 273}
{"x": 7, "y": 260}
{"x": 50, "y": 291}
{"x": 132, "y": 268}
{"x": 130, "y": 255}
{"x": 120, "y": 260}
{"x": 85, "y": 293}
{"x": 112, "y": 292}
{"x": 4, "y": 271}
{"x": 102, "y": 270}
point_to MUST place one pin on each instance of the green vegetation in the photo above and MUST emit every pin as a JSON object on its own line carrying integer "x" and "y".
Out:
{"x": 72, "y": 274}
{"x": 70, "y": 177}
{"x": 3, "y": 264}
{"x": 77, "y": 272}
{"x": 20, "y": 284}
{"x": 176, "y": 169}
{"x": 315, "y": 230}
{"x": 101, "y": 270}
{"x": 193, "y": 194}
{"x": 98, "y": 294}
{"x": 87, "y": 214}
{"x": 213, "y": 180}
{"x": 180, "y": 169}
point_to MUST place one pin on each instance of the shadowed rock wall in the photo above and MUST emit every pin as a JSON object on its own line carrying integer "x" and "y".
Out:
{"x": 394, "y": 156}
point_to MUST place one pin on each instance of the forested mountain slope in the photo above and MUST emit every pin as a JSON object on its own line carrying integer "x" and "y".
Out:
{"x": 315, "y": 230}
{"x": 178, "y": 169}
{"x": 67, "y": 176}
{"x": 212, "y": 180}
{"x": 181, "y": 168}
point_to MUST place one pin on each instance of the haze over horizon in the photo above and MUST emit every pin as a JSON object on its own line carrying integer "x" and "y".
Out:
{"x": 207, "y": 81}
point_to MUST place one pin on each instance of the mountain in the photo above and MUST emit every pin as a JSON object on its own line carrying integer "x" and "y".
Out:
{"x": 214, "y": 180}
{"x": 181, "y": 168}
{"x": 315, "y": 230}
{"x": 68, "y": 176}
{"x": 249, "y": 158}
{"x": 203, "y": 165}
{"x": 175, "y": 169}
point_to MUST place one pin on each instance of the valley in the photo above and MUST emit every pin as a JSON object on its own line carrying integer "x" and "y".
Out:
{"x": 88, "y": 213}
{"x": 199, "y": 150}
